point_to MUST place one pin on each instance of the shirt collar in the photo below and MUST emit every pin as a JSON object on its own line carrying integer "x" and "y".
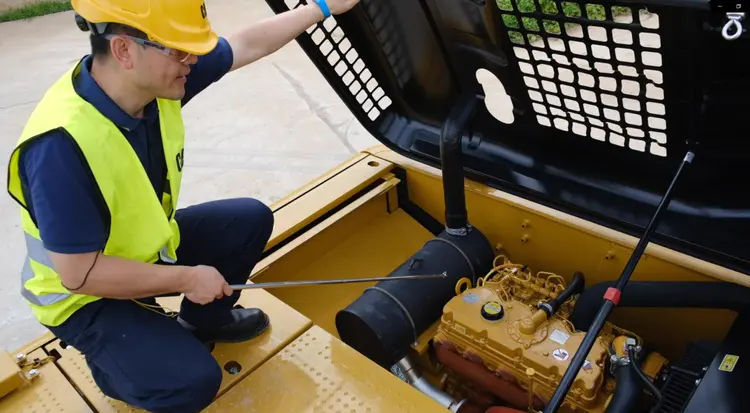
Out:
{"x": 90, "y": 91}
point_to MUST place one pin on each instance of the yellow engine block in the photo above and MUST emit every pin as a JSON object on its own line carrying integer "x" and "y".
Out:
{"x": 497, "y": 324}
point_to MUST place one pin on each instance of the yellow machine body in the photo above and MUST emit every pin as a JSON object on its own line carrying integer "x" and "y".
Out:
{"x": 350, "y": 223}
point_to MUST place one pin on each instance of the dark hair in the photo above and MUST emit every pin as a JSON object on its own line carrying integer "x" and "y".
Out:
{"x": 100, "y": 45}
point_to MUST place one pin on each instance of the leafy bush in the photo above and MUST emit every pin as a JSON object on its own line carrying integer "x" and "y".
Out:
{"x": 593, "y": 12}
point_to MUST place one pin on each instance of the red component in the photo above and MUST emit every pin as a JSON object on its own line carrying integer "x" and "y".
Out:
{"x": 500, "y": 409}
{"x": 613, "y": 294}
{"x": 485, "y": 379}
{"x": 481, "y": 397}
{"x": 469, "y": 407}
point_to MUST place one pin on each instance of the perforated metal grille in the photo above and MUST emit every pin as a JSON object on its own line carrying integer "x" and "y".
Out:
{"x": 343, "y": 57}
{"x": 592, "y": 70}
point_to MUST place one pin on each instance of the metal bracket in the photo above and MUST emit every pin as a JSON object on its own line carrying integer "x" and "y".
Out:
{"x": 734, "y": 19}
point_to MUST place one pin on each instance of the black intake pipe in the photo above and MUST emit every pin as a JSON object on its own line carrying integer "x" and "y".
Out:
{"x": 665, "y": 294}
{"x": 628, "y": 391}
{"x": 456, "y": 221}
{"x": 389, "y": 317}
{"x": 576, "y": 287}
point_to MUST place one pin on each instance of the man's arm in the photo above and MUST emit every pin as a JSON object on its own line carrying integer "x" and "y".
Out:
{"x": 65, "y": 206}
{"x": 100, "y": 275}
{"x": 269, "y": 35}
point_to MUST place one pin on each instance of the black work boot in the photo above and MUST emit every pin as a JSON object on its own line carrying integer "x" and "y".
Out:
{"x": 248, "y": 323}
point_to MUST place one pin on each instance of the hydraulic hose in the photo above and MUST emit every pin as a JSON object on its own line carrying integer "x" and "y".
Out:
{"x": 575, "y": 287}
{"x": 627, "y": 392}
{"x": 634, "y": 365}
{"x": 661, "y": 294}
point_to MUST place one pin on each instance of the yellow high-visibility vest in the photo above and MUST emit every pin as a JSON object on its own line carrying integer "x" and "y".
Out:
{"x": 139, "y": 228}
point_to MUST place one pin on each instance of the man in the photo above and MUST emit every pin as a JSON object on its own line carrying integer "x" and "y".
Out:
{"x": 97, "y": 172}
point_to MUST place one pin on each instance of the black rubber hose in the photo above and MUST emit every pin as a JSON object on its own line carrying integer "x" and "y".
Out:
{"x": 456, "y": 220}
{"x": 661, "y": 294}
{"x": 576, "y": 287}
{"x": 634, "y": 365}
{"x": 627, "y": 392}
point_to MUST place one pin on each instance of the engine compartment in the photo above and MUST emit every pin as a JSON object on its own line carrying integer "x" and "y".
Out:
{"x": 508, "y": 340}
{"x": 501, "y": 342}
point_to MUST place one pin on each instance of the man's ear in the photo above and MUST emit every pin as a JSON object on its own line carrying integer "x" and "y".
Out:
{"x": 123, "y": 51}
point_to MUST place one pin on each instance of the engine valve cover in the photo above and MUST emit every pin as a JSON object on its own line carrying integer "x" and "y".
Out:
{"x": 497, "y": 329}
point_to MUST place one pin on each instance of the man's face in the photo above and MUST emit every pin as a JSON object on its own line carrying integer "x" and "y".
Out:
{"x": 162, "y": 75}
{"x": 155, "y": 70}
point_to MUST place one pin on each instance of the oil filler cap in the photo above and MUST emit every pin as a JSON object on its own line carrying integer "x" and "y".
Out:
{"x": 492, "y": 311}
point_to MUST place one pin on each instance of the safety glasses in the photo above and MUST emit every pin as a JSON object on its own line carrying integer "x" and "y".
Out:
{"x": 178, "y": 55}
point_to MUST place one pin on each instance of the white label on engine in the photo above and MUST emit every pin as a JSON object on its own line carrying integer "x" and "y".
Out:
{"x": 559, "y": 336}
{"x": 560, "y": 354}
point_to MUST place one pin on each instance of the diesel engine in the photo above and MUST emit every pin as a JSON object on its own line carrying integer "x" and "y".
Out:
{"x": 508, "y": 339}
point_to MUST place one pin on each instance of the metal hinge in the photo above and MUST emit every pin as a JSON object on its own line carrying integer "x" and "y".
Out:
{"x": 24, "y": 362}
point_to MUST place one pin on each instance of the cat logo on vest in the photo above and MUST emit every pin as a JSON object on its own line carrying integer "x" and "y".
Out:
{"x": 180, "y": 159}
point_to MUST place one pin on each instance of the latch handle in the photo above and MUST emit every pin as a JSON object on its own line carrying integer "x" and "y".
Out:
{"x": 735, "y": 20}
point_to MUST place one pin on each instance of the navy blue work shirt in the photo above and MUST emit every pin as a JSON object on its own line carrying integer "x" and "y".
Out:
{"x": 63, "y": 197}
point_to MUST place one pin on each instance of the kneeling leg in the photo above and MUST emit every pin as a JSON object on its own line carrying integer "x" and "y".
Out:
{"x": 146, "y": 359}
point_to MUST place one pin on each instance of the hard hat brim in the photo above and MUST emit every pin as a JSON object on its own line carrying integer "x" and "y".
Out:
{"x": 195, "y": 48}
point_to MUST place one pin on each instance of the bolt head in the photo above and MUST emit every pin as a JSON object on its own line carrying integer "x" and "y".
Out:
{"x": 20, "y": 356}
{"x": 33, "y": 373}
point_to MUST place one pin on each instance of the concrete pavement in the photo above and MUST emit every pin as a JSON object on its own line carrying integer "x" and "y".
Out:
{"x": 261, "y": 131}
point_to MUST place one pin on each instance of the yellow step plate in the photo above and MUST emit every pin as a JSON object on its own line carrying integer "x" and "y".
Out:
{"x": 319, "y": 373}
{"x": 286, "y": 325}
{"x": 48, "y": 392}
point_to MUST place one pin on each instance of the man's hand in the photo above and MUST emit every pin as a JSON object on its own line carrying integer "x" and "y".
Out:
{"x": 269, "y": 35}
{"x": 205, "y": 284}
{"x": 341, "y": 6}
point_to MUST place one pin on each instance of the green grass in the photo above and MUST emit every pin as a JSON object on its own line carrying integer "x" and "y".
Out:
{"x": 39, "y": 8}
{"x": 593, "y": 12}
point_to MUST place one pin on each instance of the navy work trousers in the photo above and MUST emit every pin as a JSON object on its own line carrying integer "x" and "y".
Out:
{"x": 149, "y": 360}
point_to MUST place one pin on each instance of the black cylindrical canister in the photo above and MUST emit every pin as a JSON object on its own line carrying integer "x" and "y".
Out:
{"x": 388, "y": 317}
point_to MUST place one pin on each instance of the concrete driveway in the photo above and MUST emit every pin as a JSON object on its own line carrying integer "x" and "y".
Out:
{"x": 261, "y": 131}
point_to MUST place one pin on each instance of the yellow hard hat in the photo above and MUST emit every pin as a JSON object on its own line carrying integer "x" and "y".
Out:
{"x": 179, "y": 24}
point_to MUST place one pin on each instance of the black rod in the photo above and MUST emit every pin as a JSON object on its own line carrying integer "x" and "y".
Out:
{"x": 456, "y": 222}
{"x": 612, "y": 297}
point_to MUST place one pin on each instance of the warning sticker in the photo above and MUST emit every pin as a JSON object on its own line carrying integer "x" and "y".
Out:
{"x": 560, "y": 354}
{"x": 559, "y": 336}
{"x": 729, "y": 362}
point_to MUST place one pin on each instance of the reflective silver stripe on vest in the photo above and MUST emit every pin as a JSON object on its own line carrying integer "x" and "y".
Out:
{"x": 36, "y": 252}
{"x": 164, "y": 256}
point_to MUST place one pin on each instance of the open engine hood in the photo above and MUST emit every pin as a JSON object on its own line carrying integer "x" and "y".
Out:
{"x": 606, "y": 100}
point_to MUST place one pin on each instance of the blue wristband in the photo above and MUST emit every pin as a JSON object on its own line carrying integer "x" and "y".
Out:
{"x": 324, "y": 8}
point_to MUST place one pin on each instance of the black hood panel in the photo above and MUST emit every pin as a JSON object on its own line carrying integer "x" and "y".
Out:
{"x": 607, "y": 98}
